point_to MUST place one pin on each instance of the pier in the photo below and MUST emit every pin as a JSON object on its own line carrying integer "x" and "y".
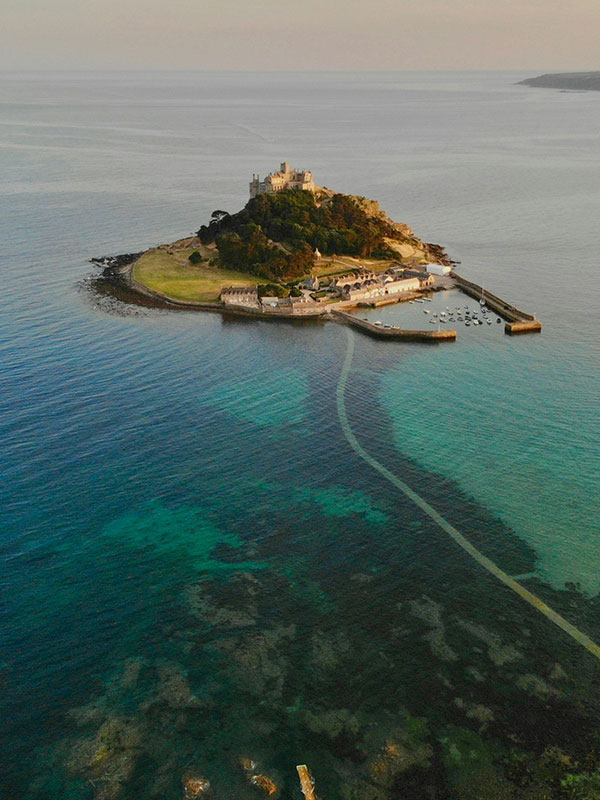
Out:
{"x": 516, "y": 321}
{"x": 379, "y": 332}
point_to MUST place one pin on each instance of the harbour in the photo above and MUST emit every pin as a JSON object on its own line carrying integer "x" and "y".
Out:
{"x": 517, "y": 322}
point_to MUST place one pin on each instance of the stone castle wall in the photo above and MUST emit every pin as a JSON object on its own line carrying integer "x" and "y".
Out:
{"x": 284, "y": 178}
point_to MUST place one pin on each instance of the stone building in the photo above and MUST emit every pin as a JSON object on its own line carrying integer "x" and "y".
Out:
{"x": 290, "y": 305}
{"x": 402, "y": 285}
{"x": 284, "y": 178}
{"x": 312, "y": 283}
{"x": 355, "y": 280}
{"x": 239, "y": 296}
{"x": 425, "y": 279}
{"x": 373, "y": 288}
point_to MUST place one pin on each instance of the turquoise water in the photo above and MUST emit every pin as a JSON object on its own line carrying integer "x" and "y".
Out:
{"x": 196, "y": 566}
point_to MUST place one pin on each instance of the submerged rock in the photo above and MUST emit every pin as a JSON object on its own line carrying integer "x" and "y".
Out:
{"x": 131, "y": 673}
{"x": 230, "y": 607}
{"x": 258, "y": 661}
{"x": 109, "y": 758}
{"x": 429, "y": 612}
{"x": 498, "y": 652}
{"x": 481, "y": 714}
{"x": 332, "y": 722}
{"x": 537, "y": 686}
{"x": 558, "y": 674}
{"x": 329, "y": 650}
{"x": 173, "y": 688}
{"x": 471, "y": 766}
{"x": 397, "y": 757}
{"x": 220, "y": 616}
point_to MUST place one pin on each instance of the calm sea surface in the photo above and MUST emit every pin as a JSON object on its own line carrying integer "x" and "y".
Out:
{"x": 195, "y": 566}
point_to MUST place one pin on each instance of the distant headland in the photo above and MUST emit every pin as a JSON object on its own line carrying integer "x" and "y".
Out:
{"x": 296, "y": 250}
{"x": 568, "y": 81}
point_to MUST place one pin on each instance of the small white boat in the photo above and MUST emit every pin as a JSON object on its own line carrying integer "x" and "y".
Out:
{"x": 378, "y": 322}
{"x": 419, "y": 300}
{"x": 426, "y": 311}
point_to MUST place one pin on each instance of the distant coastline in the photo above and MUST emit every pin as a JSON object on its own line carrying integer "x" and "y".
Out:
{"x": 567, "y": 81}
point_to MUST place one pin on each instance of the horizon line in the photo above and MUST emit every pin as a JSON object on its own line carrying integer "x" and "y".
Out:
{"x": 244, "y": 71}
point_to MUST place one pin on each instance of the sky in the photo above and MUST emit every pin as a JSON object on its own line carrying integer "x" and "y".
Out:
{"x": 300, "y": 34}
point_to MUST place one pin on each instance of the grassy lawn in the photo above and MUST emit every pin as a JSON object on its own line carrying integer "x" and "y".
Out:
{"x": 170, "y": 273}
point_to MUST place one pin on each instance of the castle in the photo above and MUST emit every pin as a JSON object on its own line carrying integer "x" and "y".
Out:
{"x": 284, "y": 178}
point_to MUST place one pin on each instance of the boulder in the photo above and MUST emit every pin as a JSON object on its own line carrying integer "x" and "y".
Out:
{"x": 264, "y": 783}
{"x": 194, "y": 786}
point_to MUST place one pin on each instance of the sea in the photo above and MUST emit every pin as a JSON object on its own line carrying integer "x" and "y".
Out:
{"x": 200, "y": 579}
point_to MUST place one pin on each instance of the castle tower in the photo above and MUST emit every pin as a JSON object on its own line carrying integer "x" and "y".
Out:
{"x": 254, "y": 185}
{"x": 284, "y": 178}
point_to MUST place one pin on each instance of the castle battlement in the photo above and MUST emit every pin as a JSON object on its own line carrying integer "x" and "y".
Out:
{"x": 284, "y": 178}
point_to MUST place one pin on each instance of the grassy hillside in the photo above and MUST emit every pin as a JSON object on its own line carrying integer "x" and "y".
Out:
{"x": 169, "y": 272}
{"x": 274, "y": 236}
{"x": 272, "y": 240}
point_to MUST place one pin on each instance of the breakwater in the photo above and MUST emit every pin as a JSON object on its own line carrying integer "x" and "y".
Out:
{"x": 516, "y": 321}
{"x": 380, "y": 332}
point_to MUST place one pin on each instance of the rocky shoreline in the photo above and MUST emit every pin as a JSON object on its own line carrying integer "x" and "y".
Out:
{"x": 112, "y": 264}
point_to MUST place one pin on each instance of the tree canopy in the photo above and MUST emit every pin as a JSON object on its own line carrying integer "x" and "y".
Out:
{"x": 275, "y": 235}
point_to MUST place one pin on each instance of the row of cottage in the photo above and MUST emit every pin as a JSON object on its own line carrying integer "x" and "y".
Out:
{"x": 354, "y": 287}
{"x": 371, "y": 286}
{"x": 247, "y": 296}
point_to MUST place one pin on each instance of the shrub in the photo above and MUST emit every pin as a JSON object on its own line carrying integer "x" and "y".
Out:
{"x": 272, "y": 290}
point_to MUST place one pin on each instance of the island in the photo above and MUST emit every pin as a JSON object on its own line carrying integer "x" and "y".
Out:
{"x": 567, "y": 81}
{"x": 298, "y": 251}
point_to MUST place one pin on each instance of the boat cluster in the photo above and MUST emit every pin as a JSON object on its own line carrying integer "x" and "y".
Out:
{"x": 476, "y": 316}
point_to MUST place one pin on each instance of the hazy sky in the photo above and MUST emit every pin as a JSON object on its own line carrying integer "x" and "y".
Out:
{"x": 300, "y": 34}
